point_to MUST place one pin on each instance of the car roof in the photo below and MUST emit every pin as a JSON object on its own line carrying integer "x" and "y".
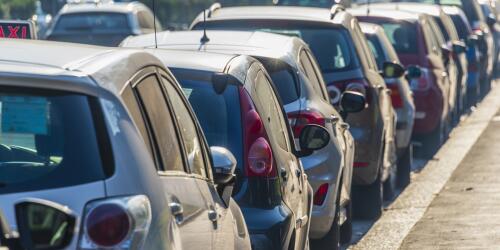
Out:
{"x": 452, "y": 10}
{"x": 254, "y": 43}
{"x": 74, "y": 62}
{"x": 126, "y": 7}
{"x": 430, "y": 9}
{"x": 196, "y": 60}
{"x": 385, "y": 13}
{"x": 310, "y": 14}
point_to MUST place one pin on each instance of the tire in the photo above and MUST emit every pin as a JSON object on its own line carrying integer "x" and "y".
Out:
{"x": 368, "y": 200}
{"x": 346, "y": 228}
{"x": 404, "y": 167}
{"x": 331, "y": 241}
{"x": 390, "y": 184}
{"x": 433, "y": 141}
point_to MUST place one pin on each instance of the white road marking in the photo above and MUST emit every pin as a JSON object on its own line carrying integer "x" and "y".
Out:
{"x": 399, "y": 218}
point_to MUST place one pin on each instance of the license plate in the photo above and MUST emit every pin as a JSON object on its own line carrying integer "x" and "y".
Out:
{"x": 17, "y": 29}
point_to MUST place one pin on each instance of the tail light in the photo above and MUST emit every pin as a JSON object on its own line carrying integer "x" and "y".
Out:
{"x": 117, "y": 223}
{"x": 320, "y": 195}
{"x": 423, "y": 82}
{"x": 258, "y": 153}
{"x": 298, "y": 120}
{"x": 397, "y": 100}
{"x": 359, "y": 85}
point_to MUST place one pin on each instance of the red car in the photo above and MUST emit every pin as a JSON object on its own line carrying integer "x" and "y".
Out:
{"x": 415, "y": 37}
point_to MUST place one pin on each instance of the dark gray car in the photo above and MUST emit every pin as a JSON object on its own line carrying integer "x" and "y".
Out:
{"x": 331, "y": 35}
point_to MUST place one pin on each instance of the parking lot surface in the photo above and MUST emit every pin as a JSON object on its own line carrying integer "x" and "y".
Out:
{"x": 452, "y": 201}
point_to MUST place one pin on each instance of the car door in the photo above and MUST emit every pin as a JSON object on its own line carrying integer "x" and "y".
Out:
{"x": 148, "y": 101}
{"x": 294, "y": 188}
{"x": 223, "y": 223}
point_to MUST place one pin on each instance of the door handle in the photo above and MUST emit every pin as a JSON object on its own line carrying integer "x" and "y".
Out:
{"x": 176, "y": 208}
{"x": 388, "y": 91}
{"x": 213, "y": 216}
{"x": 298, "y": 173}
{"x": 345, "y": 126}
{"x": 380, "y": 87}
{"x": 283, "y": 174}
{"x": 334, "y": 119}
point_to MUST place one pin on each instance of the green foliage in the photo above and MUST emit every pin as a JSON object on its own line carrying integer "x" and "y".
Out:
{"x": 17, "y": 9}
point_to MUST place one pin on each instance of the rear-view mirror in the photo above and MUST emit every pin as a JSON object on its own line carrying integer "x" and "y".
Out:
{"x": 224, "y": 164}
{"x": 472, "y": 40}
{"x": 491, "y": 20}
{"x": 413, "y": 72}
{"x": 44, "y": 225}
{"x": 459, "y": 48}
{"x": 392, "y": 70}
{"x": 313, "y": 137}
{"x": 352, "y": 102}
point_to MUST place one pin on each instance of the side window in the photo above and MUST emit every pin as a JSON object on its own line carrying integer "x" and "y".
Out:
{"x": 366, "y": 50}
{"x": 311, "y": 73}
{"x": 161, "y": 123}
{"x": 271, "y": 113}
{"x": 188, "y": 130}
{"x": 130, "y": 101}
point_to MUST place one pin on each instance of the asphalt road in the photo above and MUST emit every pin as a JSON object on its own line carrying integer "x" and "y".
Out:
{"x": 453, "y": 201}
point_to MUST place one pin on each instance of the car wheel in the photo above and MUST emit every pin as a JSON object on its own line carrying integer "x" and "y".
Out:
{"x": 331, "y": 240}
{"x": 404, "y": 167}
{"x": 368, "y": 200}
{"x": 390, "y": 185}
{"x": 346, "y": 228}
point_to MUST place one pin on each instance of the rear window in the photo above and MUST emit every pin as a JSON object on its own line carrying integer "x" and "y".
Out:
{"x": 284, "y": 80}
{"x": 331, "y": 46}
{"x": 219, "y": 114}
{"x": 47, "y": 140}
{"x": 402, "y": 35}
{"x": 92, "y": 22}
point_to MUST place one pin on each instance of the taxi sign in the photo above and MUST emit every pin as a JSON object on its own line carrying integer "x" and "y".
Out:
{"x": 17, "y": 29}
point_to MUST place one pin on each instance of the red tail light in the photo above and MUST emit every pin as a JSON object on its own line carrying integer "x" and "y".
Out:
{"x": 116, "y": 223}
{"x": 320, "y": 195}
{"x": 108, "y": 225}
{"x": 298, "y": 120}
{"x": 361, "y": 164}
{"x": 358, "y": 85}
{"x": 258, "y": 153}
{"x": 397, "y": 101}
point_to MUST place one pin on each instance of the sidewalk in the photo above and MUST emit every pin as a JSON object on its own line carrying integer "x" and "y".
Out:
{"x": 466, "y": 213}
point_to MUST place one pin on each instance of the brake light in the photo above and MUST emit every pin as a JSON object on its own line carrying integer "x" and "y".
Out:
{"x": 117, "y": 223}
{"x": 397, "y": 101}
{"x": 423, "y": 82}
{"x": 320, "y": 195}
{"x": 359, "y": 85}
{"x": 298, "y": 120}
{"x": 257, "y": 150}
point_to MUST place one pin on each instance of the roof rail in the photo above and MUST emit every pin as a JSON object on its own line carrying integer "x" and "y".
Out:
{"x": 335, "y": 9}
{"x": 213, "y": 8}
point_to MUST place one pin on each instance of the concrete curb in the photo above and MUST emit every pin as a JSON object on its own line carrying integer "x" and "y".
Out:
{"x": 399, "y": 218}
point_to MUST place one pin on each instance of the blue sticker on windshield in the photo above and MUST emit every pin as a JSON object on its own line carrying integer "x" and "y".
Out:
{"x": 24, "y": 115}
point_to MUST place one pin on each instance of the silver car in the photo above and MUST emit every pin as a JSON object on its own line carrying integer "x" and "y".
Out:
{"x": 401, "y": 95}
{"x": 121, "y": 176}
{"x": 300, "y": 86}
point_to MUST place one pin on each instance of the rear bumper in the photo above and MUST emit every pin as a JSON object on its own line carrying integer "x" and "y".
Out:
{"x": 429, "y": 110}
{"x": 268, "y": 228}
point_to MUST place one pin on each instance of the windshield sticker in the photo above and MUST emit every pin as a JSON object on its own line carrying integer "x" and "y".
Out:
{"x": 24, "y": 115}
{"x": 187, "y": 92}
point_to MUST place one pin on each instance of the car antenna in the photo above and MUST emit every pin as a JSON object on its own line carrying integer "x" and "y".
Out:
{"x": 368, "y": 7}
{"x": 154, "y": 23}
{"x": 204, "y": 38}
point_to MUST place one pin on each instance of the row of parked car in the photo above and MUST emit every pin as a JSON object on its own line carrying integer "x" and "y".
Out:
{"x": 264, "y": 127}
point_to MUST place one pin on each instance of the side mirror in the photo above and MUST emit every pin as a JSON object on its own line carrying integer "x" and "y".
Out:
{"x": 413, "y": 72}
{"x": 491, "y": 20}
{"x": 459, "y": 48}
{"x": 472, "y": 40}
{"x": 224, "y": 165}
{"x": 392, "y": 70}
{"x": 352, "y": 102}
{"x": 44, "y": 224}
{"x": 313, "y": 137}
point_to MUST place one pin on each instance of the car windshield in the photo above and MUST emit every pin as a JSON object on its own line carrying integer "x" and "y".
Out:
{"x": 47, "y": 140}
{"x": 402, "y": 35}
{"x": 331, "y": 46}
{"x": 92, "y": 22}
{"x": 222, "y": 128}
